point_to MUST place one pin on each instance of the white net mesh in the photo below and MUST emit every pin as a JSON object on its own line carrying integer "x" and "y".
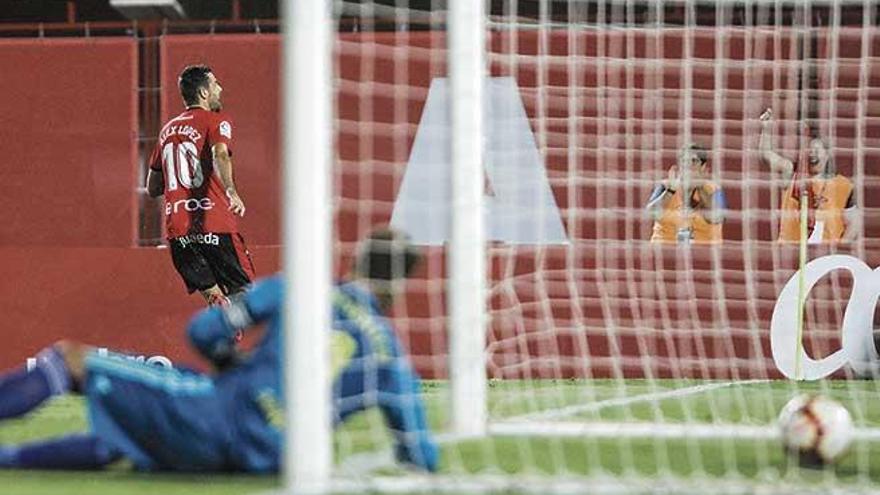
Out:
{"x": 618, "y": 363}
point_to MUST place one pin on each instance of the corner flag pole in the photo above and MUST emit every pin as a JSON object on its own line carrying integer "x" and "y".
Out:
{"x": 802, "y": 175}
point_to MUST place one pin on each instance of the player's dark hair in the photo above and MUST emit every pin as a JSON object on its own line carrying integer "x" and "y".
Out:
{"x": 386, "y": 254}
{"x": 192, "y": 79}
{"x": 700, "y": 151}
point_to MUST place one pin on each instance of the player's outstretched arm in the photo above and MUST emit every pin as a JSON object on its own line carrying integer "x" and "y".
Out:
{"x": 401, "y": 402}
{"x": 775, "y": 161}
{"x": 212, "y": 331}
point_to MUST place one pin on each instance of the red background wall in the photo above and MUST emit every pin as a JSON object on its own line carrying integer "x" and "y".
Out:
{"x": 68, "y": 142}
{"x": 607, "y": 304}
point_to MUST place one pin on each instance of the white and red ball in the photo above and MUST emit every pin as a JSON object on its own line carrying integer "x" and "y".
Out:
{"x": 817, "y": 429}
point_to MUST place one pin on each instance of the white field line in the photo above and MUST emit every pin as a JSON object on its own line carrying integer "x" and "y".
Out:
{"x": 361, "y": 464}
{"x": 354, "y": 475}
{"x": 357, "y": 465}
{"x": 623, "y": 401}
{"x": 573, "y": 485}
{"x": 655, "y": 430}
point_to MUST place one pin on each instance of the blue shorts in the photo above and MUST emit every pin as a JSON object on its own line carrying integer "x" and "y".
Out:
{"x": 160, "y": 418}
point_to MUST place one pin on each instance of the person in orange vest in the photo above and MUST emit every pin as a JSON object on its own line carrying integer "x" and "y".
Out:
{"x": 833, "y": 215}
{"x": 688, "y": 206}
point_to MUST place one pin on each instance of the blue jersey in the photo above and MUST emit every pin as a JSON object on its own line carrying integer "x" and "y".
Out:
{"x": 369, "y": 370}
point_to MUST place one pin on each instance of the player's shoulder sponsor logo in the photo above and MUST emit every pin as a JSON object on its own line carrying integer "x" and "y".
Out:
{"x": 226, "y": 129}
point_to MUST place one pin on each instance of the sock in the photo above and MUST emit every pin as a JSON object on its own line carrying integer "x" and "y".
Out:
{"x": 80, "y": 451}
{"x": 215, "y": 299}
{"x": 22, "y": 390}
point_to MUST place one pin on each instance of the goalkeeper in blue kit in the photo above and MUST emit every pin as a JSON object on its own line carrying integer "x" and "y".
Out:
{"x": 179, "y": 420}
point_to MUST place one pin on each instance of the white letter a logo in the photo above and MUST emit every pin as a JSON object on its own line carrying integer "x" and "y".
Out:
{"x": 519, "y": 202}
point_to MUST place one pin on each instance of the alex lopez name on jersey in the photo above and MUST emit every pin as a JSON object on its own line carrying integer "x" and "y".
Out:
{"x": 181, "y": 130}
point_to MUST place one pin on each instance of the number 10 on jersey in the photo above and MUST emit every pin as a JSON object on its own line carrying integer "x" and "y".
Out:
{"x": 183, "y": 166}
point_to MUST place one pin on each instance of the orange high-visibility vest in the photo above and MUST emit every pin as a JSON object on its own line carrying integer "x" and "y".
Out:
{"x": 829, "y": 198}
{"x": 672, "y": 220}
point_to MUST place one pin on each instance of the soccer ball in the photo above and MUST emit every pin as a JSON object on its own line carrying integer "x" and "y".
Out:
{"x": 816, "y": 429}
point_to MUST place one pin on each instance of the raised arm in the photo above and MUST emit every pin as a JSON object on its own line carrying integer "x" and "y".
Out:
{"x": 775, "y": 161}
{"x": 663, "y": 192}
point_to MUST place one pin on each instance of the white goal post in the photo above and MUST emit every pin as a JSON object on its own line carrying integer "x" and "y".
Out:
{"x": 308, "y": 155}
{"x": 467, "y": 247}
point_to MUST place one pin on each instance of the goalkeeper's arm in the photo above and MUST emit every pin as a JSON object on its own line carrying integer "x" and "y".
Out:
{"x": 401, "y": 402}
{"x": 212, "y": 331}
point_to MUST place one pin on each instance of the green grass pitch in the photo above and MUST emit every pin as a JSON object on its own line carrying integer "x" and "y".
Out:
{"x": 631, "y": 401}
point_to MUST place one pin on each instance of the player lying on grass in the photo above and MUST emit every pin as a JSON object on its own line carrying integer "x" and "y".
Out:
{"x": 168, "y": 419}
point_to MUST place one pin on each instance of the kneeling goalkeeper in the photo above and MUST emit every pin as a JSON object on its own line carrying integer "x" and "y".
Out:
{"x": 177, "y": 420}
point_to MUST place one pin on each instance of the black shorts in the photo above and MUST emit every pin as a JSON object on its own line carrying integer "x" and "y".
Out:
{"x": 205, "y": 260}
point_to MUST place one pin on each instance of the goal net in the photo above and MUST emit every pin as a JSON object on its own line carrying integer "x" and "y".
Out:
{"x": 614, "y": 362}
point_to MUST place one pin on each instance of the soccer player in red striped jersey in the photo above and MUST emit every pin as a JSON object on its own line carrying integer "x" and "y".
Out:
{"x": 192, "y": 166}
